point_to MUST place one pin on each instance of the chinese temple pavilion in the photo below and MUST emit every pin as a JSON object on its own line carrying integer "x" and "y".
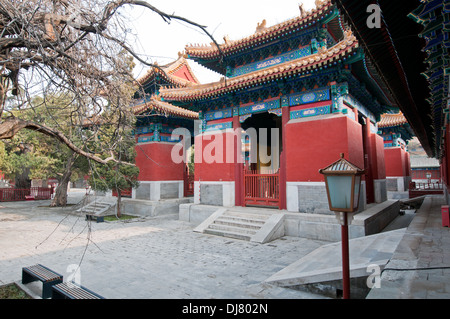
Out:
{"x": 306, "y": 83}
{"x": 396, "y": 133}
{"x": 160, "y": 177}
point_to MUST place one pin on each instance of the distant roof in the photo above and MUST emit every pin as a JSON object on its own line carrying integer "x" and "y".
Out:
{"x": 423, "y": 161}
{"x": 180, "y": 75}
{"x": 391, "y": 120}
{"x": 154, "y": 103}
{"x": 171, "y": 73}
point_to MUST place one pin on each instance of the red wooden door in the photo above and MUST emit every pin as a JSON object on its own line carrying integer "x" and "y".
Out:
{"x": 261, "y": 189}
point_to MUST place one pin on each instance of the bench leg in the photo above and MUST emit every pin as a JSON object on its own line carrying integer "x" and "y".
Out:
{"x": 27, "y": 278}
{"x": 57, "y": 295}
{"x": 47, "y": 288}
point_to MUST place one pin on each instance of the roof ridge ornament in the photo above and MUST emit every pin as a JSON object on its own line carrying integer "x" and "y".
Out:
{"x": 260, "y": 27}
{"x": 320, "y": 3}
{"x": 227, "y": 39}
{"x": 347, "y": 33}
{"x": 302, "y": 11}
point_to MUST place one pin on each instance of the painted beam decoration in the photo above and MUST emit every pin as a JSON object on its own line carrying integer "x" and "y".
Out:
{"x": 260, "y": 65}
{"x": 314, "y": 111}
{"x": 155, "y": 132}
{"x": 219, "y": 126}
{"x": 259, "y": 107}
{"x": 310, "y": 97}
{"x": 305, "y": 98}
{"x": 219, "y": 114}
{"x": 244, "y": 112}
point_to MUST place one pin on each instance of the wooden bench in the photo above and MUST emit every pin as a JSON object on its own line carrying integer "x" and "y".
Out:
{"x": 69, "y": 290}
{"x": 42, "y": 273}
{"x": 98, "y": 219}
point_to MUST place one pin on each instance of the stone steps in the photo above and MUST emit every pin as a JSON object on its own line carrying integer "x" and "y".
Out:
{"x": 242, "y": 225}
{"x": 236, "y": 225}
{"x": 241, "y": 221}
{"x": 95, "y": 208}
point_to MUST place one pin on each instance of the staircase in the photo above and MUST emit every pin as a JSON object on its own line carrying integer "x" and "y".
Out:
{"x": 95, "y": 208}
{"x": 250, "y": 226}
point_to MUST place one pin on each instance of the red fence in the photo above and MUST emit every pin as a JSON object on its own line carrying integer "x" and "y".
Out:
{"x": 261, "y": 189}
{"x": 124, "y": 193}
{"x": 419, "y": 189}
{"x": 17, "y": 194}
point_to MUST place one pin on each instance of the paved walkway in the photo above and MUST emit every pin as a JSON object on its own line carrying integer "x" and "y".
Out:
{"x": 164, "y": 258}
{"x": 149, "y": 258}
{"x": 420, "y": 266}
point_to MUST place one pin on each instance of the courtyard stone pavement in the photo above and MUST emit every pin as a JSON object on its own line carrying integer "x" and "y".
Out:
{"x": 142, "y": 259}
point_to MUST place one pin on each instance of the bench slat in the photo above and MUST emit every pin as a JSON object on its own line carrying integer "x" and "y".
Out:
{"x": 43, "y": 272}
{"x": 75, "y": 291}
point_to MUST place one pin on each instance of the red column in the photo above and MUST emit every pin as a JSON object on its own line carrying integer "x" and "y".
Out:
{"x": 238, "y": 167}
{"x": 284, "y": 121}
{"x": 368, "y": 162}
{"x": 345, "y": 258}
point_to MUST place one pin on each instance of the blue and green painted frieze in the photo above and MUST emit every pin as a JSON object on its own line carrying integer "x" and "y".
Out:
{"x": 279, "y": 59}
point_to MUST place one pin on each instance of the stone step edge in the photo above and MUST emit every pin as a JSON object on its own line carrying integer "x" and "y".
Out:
{"x": 226, "y": 228}
{"x": 237, "y": 222}
{"x": 228, "y": 234}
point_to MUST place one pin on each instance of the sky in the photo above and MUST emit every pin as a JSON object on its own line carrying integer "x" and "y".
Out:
{"x": 155, "y": 40}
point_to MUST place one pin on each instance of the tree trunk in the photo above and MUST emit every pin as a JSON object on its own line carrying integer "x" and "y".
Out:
{"x": 119, "y": 199}
{"x": 22, "y": 181}
{"x": 60, "y": 198}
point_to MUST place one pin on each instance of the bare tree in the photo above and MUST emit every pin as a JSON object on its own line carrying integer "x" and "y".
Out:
{"x": 75, "y": 47}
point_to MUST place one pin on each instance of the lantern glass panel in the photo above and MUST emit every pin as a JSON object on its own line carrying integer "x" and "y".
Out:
{"x": 356, "y": 191}
{"x": 340, "y": 190}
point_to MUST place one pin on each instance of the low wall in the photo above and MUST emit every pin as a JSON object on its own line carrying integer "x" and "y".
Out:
{"x": 147, "y": 208}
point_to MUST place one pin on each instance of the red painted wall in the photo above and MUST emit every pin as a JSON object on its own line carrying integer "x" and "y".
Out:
{"x": 313, "y": 144}
{"x": 155, "y": 162}
{"x": 397, "y": 161}
{"x": 214, "y": 168}
{"x": 378, "y": 160}
{"x": 407, "y": 164}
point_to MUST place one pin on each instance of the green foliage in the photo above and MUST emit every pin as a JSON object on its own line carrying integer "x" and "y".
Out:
{"x": 119, "y": 175}
{"x": 113, "y": 176}
{"x": 12, "y": 291}
{"x": 36, "y": 154}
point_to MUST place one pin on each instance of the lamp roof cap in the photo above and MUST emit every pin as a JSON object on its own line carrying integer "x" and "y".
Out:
{"x": 342, "y": 166}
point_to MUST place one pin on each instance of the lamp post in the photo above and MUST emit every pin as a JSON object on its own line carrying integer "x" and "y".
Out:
{"x": 343, "y": 183}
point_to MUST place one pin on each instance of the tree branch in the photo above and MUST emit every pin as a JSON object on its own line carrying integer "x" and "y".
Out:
{"x": 12, "y": 125}
{"x": 113, "y": 6}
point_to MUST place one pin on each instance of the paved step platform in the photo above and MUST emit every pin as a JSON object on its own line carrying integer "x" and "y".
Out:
{"x": 260, "y": 226}
{"x": 325, "y": 263}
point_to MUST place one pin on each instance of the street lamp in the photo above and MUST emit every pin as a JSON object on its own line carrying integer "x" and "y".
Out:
{"x": 343, "y": 183}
